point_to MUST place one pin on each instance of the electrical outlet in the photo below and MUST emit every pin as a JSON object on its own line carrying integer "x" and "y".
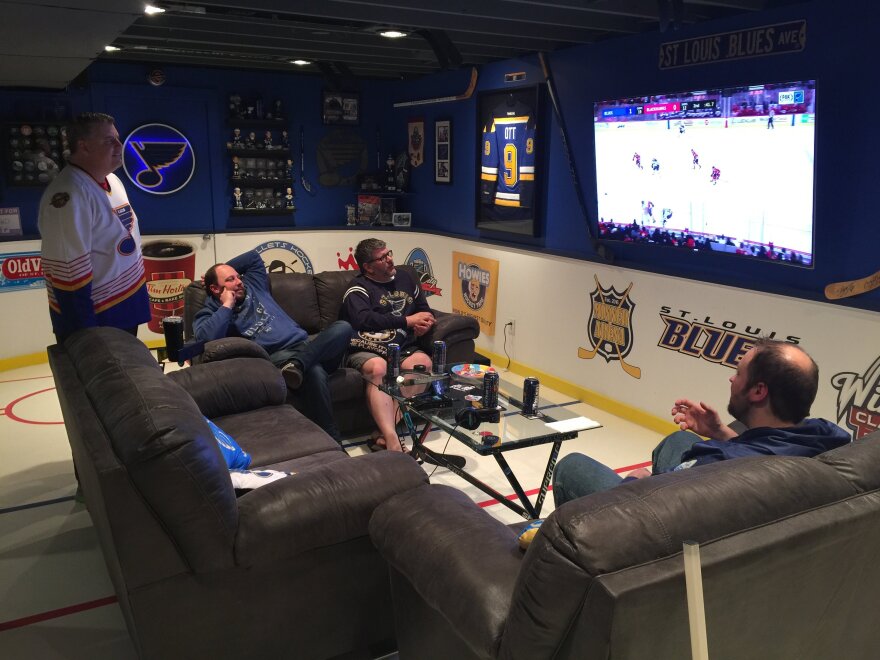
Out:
{"x": 510, "y": 327}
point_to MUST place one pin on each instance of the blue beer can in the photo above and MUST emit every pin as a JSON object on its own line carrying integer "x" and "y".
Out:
{"x": 490, "y": 390}
{"x": 531, "y": 388}
{"x": 392, "y": 370}
{"x": 438, "y": 357}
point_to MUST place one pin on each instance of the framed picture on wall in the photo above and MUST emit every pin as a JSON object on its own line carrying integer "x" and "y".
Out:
{"x": 508, "y": 172}
{"x": 340, "y": 108}
{"x": 443, "y": 151}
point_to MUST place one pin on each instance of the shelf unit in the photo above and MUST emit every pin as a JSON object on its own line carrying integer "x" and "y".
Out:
{"x": 261, "y": 179}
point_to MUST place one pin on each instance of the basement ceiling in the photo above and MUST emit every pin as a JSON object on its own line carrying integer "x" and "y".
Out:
{"x": 46, "y": 43}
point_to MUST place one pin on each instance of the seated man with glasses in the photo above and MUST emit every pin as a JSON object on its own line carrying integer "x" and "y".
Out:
{"x": 384, "y": 306}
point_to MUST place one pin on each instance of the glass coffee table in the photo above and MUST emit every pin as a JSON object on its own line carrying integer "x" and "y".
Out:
{"x": 445, "y": 395}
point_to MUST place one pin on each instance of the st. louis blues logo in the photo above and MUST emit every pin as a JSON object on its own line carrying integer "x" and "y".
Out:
{"x": 418, "y": 259}
{"x": 610, "y": 327}
{"x": 158, "y": 159}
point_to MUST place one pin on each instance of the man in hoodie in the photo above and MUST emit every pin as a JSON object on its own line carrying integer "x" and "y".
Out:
{"x": 771, "y": 393}
{"x": 240, "y": 304}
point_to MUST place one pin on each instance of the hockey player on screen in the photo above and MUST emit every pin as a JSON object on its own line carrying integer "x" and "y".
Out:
{"x": 770, "y": 116}
{"x": 637, "y": 159}
{"x": 696, "y": 158}
{"x": 716, "y": 174}
{"x": 655, "y": 166}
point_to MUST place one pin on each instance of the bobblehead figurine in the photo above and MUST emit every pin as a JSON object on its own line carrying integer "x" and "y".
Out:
{"x": 236, "y": 192}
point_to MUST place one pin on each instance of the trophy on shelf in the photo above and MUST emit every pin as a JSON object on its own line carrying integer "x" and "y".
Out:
{"x": 235, "y": 111}
{"x": 278, "y": 109}
{"x": 236, "y": 193}
{"x": 247, "y": 199}
{"x": 390, "y": 174}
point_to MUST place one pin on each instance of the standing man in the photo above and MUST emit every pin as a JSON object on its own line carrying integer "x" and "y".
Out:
{"x": 241, "y": 305}
{"x": 384, "y": 306}
{"x": 771, "y": 393}
{"x": 91, "y": 241}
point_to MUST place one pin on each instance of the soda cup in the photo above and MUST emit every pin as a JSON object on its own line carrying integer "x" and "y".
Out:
{"x": 490, "y": 390}
{"x": 172, "y": 327}
{"x": 438, "y": 358}
{"x": 392, "y": 370}
{"x": 531, "y": 387}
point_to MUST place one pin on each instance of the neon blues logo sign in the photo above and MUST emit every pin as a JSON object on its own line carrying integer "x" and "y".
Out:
{"x": 158, "y": 159}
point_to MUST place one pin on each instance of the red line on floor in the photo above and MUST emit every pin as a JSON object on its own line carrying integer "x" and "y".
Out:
{"x": 54, "y": 614}
{"x": 16, "y": 418}
{"x": 17, "y": 380}
{"x": 534, "y": 491}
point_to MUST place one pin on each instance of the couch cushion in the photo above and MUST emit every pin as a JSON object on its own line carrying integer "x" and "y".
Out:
{"x": 160, "y": 436}
{"x": 330, "y": 285}
{"x": 295, "y": 293}
{"x": 859, "y": 461}
{"x": 276, "y": 433}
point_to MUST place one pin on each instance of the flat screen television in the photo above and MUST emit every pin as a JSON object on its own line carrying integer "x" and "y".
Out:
{"x": 728, "y": 170}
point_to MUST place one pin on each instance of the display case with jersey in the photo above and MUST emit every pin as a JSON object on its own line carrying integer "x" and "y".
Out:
{"x": 507, "y": 172}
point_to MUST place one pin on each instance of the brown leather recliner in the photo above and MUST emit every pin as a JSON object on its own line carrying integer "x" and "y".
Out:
{"x": 789, "y": 563}
{"x": 285, "y": 570}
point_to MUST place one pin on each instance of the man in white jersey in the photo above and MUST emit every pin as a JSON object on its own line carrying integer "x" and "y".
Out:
{"x": 91, "y": 241}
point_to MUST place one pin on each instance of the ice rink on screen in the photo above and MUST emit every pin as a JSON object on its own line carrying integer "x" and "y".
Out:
{"x": 764, "y": 193}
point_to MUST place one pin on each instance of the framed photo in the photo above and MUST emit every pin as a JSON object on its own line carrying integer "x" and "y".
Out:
{"x": 508, "y": 160}
{"x": 340, "y": 108}
{"x": 443, "y": 151}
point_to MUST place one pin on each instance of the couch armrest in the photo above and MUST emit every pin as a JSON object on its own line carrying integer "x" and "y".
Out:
{"x": 460, "y": 560}
{"x": 326, "y": 505}
{"x": 232, "y": 386}
{"x": 231, "y": 347}
{"x": 451, "y": 328}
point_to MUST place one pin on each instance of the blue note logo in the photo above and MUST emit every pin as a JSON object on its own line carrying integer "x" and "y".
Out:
{"x": 158, "y": 159}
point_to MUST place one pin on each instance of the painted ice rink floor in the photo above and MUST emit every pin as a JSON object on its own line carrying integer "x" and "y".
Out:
{"x": 57, "y": 600}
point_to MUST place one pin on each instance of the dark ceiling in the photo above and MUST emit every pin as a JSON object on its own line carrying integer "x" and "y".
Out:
{"x": 48, "y": 42}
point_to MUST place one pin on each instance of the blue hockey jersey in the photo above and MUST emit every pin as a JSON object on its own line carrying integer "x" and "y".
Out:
{"x": 508, "y": 162}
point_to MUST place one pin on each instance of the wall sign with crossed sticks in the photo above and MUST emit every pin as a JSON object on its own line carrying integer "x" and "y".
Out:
{"x": 610, "y": 327}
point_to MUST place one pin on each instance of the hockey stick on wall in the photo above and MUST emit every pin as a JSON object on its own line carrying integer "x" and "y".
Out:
{"x": 302, "y": 162}
{"x": 472, "y": 85}
{"x": 601, "y": 250}
{"x": 840, "y": 290}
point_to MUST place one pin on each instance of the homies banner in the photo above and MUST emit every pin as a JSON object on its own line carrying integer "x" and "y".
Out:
{"x": 475, "y": 289}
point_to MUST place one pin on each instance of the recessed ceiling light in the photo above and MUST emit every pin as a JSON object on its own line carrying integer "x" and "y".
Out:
{"x": 152, "y": 9}
{"x": 392, "y": 34}
{"x": 300, "y": 62}
{"x": 111, "y": 49}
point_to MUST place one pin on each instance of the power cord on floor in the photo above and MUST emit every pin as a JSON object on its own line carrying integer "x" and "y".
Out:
{"x": 509, "y": 323}
{"x": 445, "y": 447}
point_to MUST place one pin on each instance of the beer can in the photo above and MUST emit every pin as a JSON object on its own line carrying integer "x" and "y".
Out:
{"x": 531, "y": 386}
{"x": 392, "y": 371}
{"x": 438, "y": 357}
{"x": 490, "y": 390}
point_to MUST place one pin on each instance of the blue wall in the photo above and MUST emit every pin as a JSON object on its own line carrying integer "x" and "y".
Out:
{"x": 839, "y": 47}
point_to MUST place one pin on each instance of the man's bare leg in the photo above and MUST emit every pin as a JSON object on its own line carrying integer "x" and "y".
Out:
{"x": 381, "y": 405}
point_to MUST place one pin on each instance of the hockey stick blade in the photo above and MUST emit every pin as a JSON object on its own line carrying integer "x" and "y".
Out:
{"x": 302, "y": 163}
{"x": 472, "y": 85}
{"x": 840, "y": 290}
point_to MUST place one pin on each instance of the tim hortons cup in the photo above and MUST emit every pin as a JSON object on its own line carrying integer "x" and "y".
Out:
{"x": 170, "y": 267}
